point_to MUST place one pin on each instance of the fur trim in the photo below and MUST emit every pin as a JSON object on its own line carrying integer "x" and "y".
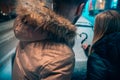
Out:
{"x": 34, "y": 13}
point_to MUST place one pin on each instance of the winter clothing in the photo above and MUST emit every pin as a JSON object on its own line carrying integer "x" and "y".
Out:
{"x": 104, "y": 61}
{"x": 46, "y": 40}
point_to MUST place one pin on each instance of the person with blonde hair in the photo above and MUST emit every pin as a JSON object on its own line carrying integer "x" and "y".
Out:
{"x": 46, "y": 33}
{"x": 104, "y": 58}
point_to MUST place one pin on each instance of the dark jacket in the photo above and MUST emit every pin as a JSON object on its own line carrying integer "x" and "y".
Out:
{"x": 104, "y": 61}
{"x": 46, "y": 40}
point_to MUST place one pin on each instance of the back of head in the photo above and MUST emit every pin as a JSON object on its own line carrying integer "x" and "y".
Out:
{"x": 56, "y": 3}
{"x": 106, "y": 23}
{"x": 70, "y": 9}
{"x": 70, "y": 3}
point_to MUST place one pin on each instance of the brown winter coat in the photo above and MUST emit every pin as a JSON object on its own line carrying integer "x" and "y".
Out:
{"x": 45, "y": 48}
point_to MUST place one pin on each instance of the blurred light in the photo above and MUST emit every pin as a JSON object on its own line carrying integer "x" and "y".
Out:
{"x": 114, "y": 3}
{"x": 4, "y": 14}
{"x": 100, "y": 1}
{"x": 1, "y": 12}
{"x": 115, "y": 0}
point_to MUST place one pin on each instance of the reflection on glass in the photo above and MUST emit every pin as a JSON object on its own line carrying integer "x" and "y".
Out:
{"x": 114, "y": 4}
{"x": 100, "y": 4}
{"x": 97, "y": 6}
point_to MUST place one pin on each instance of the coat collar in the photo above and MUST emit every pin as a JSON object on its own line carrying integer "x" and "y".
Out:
{"x": 108, "y": 46}
{"x": 33, "y": 13}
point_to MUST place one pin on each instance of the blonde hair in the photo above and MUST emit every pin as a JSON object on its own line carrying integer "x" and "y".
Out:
{"x": 105, "y": 23}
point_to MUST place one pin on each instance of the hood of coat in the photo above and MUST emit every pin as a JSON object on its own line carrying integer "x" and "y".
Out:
{"x": 35, "y": 14}
{"x": 108, "y": 47}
